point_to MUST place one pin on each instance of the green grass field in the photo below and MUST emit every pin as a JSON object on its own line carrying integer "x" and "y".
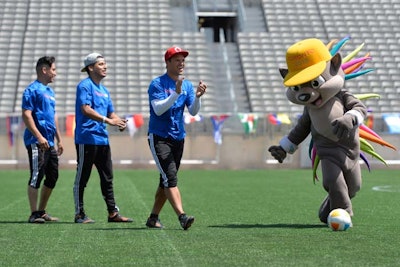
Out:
{"x": 243, "y": 218}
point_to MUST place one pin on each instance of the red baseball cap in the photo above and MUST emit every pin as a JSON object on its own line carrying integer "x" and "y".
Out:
{"x": 172, "y": 51}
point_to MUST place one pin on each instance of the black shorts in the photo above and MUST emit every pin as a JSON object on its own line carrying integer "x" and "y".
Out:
{"x": 167, "y": 154}
{"x": 42, "y": 163}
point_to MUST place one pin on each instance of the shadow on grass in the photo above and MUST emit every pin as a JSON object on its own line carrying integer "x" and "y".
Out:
{"x": 133, "y": 228}
{"x": 274, "y": 225}
{"x": 14, "y": 222}
{"x": 117, "y": 229}
{"x": 124, "y": 228}
{"x": 26, "y": 222}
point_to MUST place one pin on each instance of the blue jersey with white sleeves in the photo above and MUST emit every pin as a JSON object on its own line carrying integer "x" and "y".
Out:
{"x": 97, "y": 96}
{"x": 170, "y": 123}
{"x": 39, "y": 99}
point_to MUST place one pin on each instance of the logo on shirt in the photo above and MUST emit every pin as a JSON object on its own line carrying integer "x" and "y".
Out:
{"x": 49, "y": 97}
{"x": 170, "y": 91}
{"x": 101, "y": 94}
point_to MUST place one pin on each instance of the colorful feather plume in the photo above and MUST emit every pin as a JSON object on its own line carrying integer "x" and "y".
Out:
{"x": 353, "y": 67}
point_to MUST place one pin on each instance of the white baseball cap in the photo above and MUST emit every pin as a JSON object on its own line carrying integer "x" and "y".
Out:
{"x": 90, "y": 59}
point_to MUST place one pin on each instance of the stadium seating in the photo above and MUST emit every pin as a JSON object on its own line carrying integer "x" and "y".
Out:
{"x": 371, "y": 21}
{"x": 133, "y": 35}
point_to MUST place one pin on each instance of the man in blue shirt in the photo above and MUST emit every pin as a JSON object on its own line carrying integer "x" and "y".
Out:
{"x": 39, "y": 115}
{"x": 93, "y": 110}
{"x": 169, "y": 94}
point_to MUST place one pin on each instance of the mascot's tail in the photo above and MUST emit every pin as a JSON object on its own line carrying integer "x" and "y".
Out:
{"x": 353, "y": 67}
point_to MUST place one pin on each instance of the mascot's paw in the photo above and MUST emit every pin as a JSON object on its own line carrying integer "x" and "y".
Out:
{"x": 343, "y": 125}
{"x": 278, "y": 153}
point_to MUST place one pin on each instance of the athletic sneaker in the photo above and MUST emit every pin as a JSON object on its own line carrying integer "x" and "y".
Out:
{"x": 35, "y": 218}
{"x": 118, "y": 218}
{"x": 82, "y": 218}
{"x": 154, "y": 223}
{"x": 186, "y": 221}
{"x": 48, "y": 217}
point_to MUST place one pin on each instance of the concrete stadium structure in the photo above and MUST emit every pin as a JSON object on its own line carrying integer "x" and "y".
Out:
{"x": 236, "y": 46}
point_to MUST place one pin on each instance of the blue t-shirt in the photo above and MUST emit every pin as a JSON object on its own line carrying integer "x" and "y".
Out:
{"x": 40, "y": 99}
{"x": 170, "y": 123}
{"x": 87, "y": 130}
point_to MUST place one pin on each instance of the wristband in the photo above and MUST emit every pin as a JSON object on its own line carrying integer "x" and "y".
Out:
{"x": 104, "y": 119}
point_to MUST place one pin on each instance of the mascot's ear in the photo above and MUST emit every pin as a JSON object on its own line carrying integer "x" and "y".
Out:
{"x": 336, "y": 63}
{"x": 283, "y": 72}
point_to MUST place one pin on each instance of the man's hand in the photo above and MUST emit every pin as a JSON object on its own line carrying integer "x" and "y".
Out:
{"x": 60, "y": 148}
{"x": 201, "y": 89}
{"x": 121, "y": 123}
{"x": 178, "y": 84}
{"x": 43, "y": 143}
{"x": 122, "y": 128}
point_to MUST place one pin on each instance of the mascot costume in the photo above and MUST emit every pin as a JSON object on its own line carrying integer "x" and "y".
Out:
{"x": 315, "y": 78}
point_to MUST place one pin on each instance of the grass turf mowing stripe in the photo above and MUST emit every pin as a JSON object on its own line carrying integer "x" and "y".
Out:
{"x": 243, "y": 218}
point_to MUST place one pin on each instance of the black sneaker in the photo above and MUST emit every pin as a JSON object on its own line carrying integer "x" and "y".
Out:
{"x": 186, "y": 221}
{"x": 116, "y": 217}
{"x": 82, "y": 218}
{"x": 35, "y": 218}
{"x": 154, "y": 223}
{"x": 47, "y": 217}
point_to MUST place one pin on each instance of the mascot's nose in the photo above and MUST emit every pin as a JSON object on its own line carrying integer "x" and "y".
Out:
{"x": 304, "y": 97}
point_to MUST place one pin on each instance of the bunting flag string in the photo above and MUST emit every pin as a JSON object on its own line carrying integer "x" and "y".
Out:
{"x": 70, "y": 125}
{"x": 134, "y": 123}
{"x": 393, "y": 122}
{"x": 218, "y": 121}
{"x": 189, "y": 118}
{"x": 13, "y": 126}
{"x": 249, "y": 122}
{"x": 280, "y": 118}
